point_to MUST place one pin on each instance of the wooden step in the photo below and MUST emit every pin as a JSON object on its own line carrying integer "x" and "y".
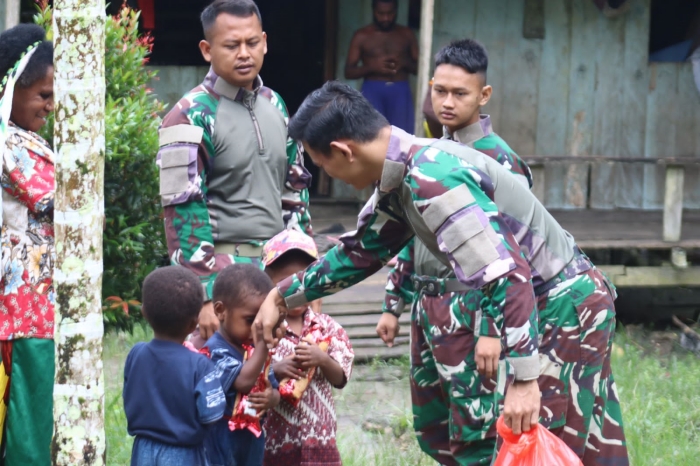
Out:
{"x": 367, "y": 320}
{"x": 335, "y": 309}
{"x": 369, "y": 348}
{"x": 371, "y": 332}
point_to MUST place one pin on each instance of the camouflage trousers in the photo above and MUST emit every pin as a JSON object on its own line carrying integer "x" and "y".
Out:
{"x": 454, "y": 408}
{"x": 579, "y": 395}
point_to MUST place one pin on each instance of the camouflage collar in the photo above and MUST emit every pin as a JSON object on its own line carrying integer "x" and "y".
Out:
{"x": 232, "y": 92}
{"x": 469, "y": 134}
{"x": 397, "y": 156}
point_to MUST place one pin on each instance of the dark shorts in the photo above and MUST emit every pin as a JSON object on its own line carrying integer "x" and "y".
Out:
{"x": 393, "y": 100}
{"x": 234, "y": 448}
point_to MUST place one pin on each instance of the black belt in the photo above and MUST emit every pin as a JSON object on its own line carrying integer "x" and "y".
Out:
{"x": 436, "y": 286}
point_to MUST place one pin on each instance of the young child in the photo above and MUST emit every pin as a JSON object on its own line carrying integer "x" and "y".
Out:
{"x": 305, "y": 433}
{"x": 238, "y": 292}
{"x": 170, "y": 393}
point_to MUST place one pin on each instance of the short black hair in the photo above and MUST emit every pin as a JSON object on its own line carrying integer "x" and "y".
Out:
{"x": 335, "y": 111}
{"x": 376, "y": 2}
{"x": 172, "y": 298}
{"x": 238, "y": 8}
{"x": 238, "y": 281}
{"x": 294, "y": 256}
{"x": 468, "y": 54}
{"x": 14, "y": 42}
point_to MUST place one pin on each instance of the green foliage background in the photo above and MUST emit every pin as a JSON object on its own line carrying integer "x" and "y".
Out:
{"x": 134, "y": 241}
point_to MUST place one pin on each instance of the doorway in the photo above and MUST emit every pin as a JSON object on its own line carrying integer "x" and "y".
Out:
{"x": 300, "y": 57}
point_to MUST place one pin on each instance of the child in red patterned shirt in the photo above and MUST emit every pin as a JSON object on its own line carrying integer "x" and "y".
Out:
{"x": 302, "y": 428}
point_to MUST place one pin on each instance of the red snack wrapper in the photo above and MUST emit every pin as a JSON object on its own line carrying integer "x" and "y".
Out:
{"x": 245, "y": 417}
{"x": 292, "y": 390}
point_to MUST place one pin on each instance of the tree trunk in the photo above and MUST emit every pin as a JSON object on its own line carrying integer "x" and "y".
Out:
{"x": 79, "y": 142}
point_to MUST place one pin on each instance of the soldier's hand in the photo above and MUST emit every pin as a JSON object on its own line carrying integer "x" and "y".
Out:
{"x": 521, "y": 408}
{"x": 486, "y": 355}
{"x": 208, "y": 322}
{"x": 388, "y": 328}
{"x": 271, "y": 315}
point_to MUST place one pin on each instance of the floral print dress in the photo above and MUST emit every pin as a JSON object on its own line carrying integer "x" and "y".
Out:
{"x": 28, "y": 186}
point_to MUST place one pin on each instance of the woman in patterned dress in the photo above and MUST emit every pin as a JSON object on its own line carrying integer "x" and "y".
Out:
{"x": 27, "y": 240}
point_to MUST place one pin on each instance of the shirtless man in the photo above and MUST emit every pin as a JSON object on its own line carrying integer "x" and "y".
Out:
{"x": 388, "y": 52}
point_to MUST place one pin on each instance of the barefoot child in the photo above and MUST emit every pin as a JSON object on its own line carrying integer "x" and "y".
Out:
{"x": 305, "y": 433}
{"x": 239, "y": 290}
{"x": 170, "y": 393}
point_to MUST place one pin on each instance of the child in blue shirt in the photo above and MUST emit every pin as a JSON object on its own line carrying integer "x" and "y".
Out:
{"x": 238, "y": 292}
{"x": 171, "y": 394}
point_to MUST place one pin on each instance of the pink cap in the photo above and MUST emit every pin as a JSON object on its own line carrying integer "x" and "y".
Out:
{"x": 286, "y": 241}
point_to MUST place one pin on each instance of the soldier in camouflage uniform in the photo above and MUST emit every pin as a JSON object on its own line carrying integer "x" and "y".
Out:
{"x": 230, "y": 178}
{"x": 452, "y": 428}
{"x": 471, "y": 213}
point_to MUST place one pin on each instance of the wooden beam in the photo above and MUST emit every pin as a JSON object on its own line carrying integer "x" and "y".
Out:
{"x": 538, "y": 182}
{"x": 331, "y": 40}
{"x": 536, "y": 160}
{"x": 640, "y": 277}
{"x": 636, "y": 244}
{"x": 673, "y": 203}
{"x": 424, "y": 55}
{"x": 533, "y": 19}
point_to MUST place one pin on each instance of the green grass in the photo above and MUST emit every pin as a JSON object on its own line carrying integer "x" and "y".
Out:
{"x": 116, "y": 348}
{"x": 660, "y": 402}
{"x": 659, "y": 395}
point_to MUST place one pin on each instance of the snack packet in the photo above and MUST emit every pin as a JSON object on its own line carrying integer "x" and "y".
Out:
{"x": 292, "y": 390}
{"x": 245, "y": 417}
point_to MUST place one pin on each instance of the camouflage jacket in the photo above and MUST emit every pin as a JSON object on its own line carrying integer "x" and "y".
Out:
{"x": 449, "y": 202}
{"x": 228, "y": 174}
{"x": 413, "y": 258}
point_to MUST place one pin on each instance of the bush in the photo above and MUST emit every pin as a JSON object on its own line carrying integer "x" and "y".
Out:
{"x": 134, "y": 241}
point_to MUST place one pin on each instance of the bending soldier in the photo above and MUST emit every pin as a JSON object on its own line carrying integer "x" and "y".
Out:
{"x": 471, "y": 214}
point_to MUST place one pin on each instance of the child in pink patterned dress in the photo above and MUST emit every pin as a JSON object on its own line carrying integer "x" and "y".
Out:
{"x": 301, "y": 430}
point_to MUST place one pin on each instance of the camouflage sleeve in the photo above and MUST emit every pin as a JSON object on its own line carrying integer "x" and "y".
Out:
{"x": 184, "y": 160}
{"x": 295, "y": 196}
{"x": 361, "y": 253}
{"x": 498, "y": 149}
{"x": 399, "y": 287}
{"x": 481, "y": 249}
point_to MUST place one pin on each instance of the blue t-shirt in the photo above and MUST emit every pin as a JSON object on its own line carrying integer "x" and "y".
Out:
{"x": 170, "y": 393}
{"x": 229, "y": 362}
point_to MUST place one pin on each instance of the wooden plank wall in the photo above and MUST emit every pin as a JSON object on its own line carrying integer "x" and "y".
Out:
{"x": 585, "y": 89}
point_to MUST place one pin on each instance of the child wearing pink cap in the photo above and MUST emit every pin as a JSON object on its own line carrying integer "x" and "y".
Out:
{"x": 317, "y": 351}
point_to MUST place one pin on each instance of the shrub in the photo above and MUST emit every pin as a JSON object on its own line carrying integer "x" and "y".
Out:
{"x": 134, "y": 242}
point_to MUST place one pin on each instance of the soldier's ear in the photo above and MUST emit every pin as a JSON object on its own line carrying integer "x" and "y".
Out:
{"x": 343, "y": 149}
{"x": 205, "y": 48}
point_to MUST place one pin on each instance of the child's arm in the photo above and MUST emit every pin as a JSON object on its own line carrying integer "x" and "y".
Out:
{"x": 309, "y": 356}
{"x": 252, "y": 367}
{"x": 339, "y": 348}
